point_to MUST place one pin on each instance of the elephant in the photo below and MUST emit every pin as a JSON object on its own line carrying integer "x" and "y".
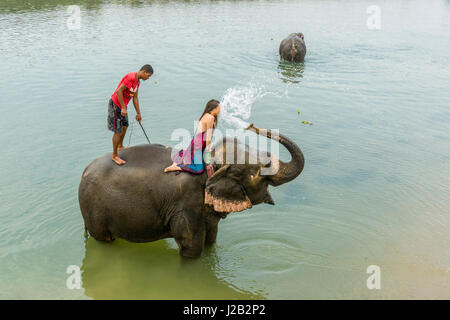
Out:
{"x": 293, "y": 48}
{"x": 138, "y": 202}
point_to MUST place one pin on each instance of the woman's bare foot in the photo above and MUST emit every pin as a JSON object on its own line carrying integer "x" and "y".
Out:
{"x": 173, "y": 167}
{"x": 118, "y": 160}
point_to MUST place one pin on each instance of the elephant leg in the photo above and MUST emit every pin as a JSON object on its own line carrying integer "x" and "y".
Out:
{"x": 105, "y": 237}
{"x": 191, "y": 246}
{"x": 101, "y": 233}
{"x": 190, "y": 237}
{"x": 95, "y": 223}
{"x": 212, "y": 223}
{"x": 211, "y": 235}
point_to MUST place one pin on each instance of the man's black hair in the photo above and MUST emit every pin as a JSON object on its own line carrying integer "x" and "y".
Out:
{"x": 148, "y": 68}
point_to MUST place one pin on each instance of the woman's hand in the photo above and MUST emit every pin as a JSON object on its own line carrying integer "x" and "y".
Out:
{"x": 138, "y": 117}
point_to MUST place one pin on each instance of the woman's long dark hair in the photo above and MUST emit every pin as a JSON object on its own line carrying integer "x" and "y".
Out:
{"x": 210, "y": 106}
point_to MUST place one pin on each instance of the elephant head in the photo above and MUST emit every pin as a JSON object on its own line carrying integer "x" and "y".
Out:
{"x": 238, "y": 186}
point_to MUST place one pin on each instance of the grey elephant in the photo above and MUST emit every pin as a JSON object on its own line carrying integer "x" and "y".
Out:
{"x": 138, "y": 202}
{"x": 293, "y": 48}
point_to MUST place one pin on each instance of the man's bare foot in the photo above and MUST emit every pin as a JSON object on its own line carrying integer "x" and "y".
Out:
{"x": 120, "y": 148}
{"x": 118, "y": 160}
{"x": 173, "y": 167}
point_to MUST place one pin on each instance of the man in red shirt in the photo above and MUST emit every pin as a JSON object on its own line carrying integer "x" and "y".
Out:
{"x": 117, "y": 107}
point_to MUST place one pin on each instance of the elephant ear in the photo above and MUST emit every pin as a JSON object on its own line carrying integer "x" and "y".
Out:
{"x": 225, "y": 192}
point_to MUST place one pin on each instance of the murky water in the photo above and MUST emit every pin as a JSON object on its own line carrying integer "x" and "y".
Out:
{"x": 376, "y": 185}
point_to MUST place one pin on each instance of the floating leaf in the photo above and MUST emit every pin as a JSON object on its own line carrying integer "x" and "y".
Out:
{"x": 307, "y": 122}
{"x": 298, "y": 112}
{"x": 271, "y": 38}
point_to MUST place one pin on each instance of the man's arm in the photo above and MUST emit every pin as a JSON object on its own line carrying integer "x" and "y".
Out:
{"x": 119, "y": 93}
{"x": 136, "y": 106}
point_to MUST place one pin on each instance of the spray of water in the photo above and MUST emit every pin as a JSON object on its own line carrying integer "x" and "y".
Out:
{"x": 237, "y": 103}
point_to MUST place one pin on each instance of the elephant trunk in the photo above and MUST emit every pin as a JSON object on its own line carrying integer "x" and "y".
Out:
{"x": 287, "y": 171}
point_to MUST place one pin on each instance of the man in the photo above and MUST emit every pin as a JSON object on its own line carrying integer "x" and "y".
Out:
{"x": 117, "y": 108}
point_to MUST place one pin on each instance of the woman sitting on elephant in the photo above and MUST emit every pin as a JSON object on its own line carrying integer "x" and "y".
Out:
{"x": 191, "y": 159}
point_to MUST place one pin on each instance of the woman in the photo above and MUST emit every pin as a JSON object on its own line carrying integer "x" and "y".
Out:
{"x": 191, "y": 159}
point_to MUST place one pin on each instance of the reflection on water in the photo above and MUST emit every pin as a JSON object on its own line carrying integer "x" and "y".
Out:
{"x": 291, "y": 72}
{"x": 123, "y": 270}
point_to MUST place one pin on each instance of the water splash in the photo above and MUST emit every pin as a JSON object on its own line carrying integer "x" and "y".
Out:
{"x": 237, "y": 103}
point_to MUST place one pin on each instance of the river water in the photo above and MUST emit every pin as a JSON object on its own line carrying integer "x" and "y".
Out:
{"x": 376, "y": 184}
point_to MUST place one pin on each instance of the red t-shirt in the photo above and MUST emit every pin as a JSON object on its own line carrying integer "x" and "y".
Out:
{"x": 129, "y": 81}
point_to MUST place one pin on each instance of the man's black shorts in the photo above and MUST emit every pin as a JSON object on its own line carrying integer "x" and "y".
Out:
{"x": 115, "y": 119}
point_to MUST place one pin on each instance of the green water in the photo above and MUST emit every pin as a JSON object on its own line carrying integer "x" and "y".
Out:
{"x": 374, "y": 191}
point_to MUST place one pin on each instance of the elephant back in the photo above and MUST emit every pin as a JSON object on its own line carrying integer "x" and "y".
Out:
{"x": 144, "y": 170}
